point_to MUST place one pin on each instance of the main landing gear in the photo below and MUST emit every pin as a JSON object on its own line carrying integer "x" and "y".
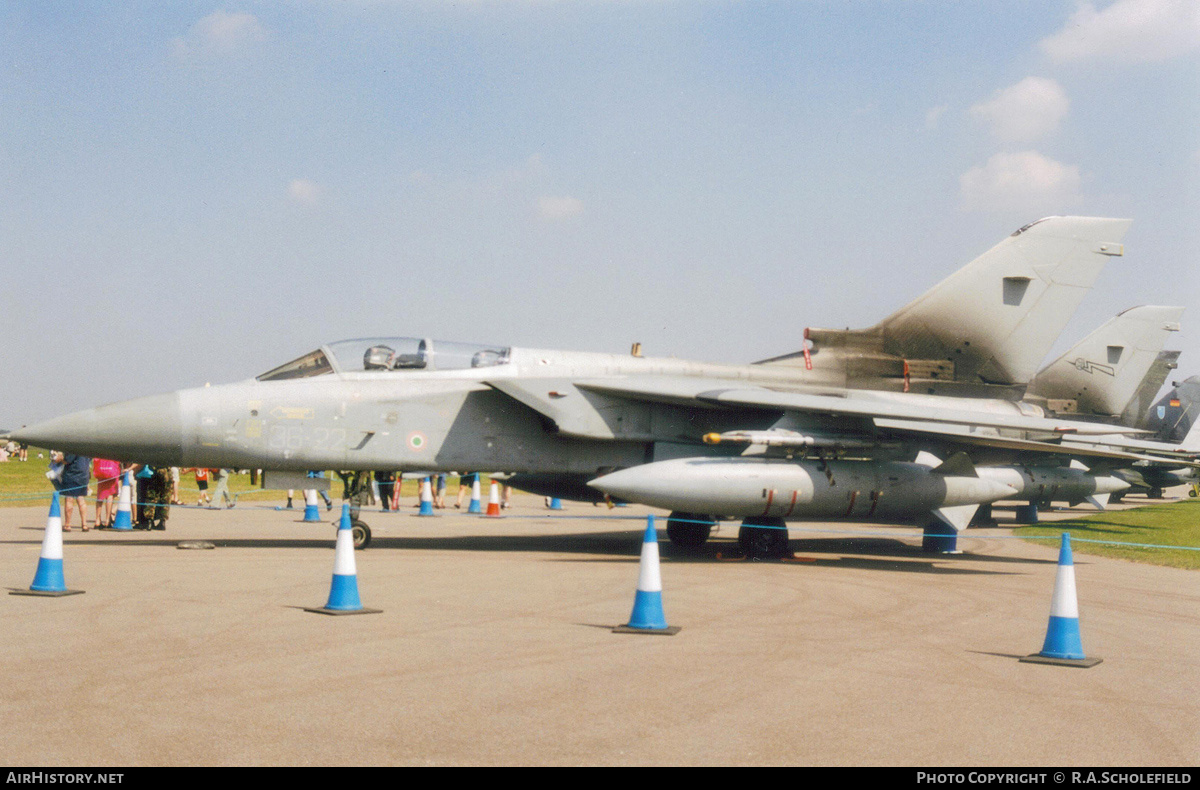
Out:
{"x": 760, "y": 537}
{"x": 689, "y": 530}
{"x": 764, "y": 538}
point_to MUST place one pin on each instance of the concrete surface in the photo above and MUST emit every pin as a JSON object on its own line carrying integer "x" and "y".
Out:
{"x": 494, "y": 648}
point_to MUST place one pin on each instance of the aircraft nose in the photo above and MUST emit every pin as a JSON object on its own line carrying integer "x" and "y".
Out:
{"x": 142, "y": 430}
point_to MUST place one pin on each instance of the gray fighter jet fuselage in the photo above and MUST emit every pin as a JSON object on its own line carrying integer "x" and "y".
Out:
{"x": 565, "y": 417}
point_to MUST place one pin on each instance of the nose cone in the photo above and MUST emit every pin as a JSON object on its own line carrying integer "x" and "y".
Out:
{"x": 976, "y": 490}
{"x": 630, "y": 484}
{"x": 1110, "y": 485}
{"x": 997, "y": 491}
{"x": 143, "y": 430}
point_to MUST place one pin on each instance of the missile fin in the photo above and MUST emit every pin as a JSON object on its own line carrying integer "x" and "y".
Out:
{"x": 957, "y": 517}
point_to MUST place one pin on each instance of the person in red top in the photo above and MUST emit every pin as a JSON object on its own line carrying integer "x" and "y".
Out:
{"x": 202, "y": 484}
{"x": 108, "y": 481}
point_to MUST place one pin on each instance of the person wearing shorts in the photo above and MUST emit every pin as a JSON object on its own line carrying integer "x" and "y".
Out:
{"x": 75, "y": 476}
{"x": 202, "y": 484}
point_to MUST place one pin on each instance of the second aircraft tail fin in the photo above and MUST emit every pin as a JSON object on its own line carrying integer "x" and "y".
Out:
{"x": 1103, "y": 372}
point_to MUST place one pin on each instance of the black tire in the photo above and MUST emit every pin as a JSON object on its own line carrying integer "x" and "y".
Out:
{"x": 689, "y": 530}
{"x": 1155, "y": 493}
{"x": 764, "y": 538}
{"x": 361, "y": 533}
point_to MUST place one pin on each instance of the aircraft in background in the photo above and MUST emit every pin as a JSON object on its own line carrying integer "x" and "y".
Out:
{"x": 1173, "y": 421}
{"x": 803, "y": 444}
{"x": 1096, "y": 379}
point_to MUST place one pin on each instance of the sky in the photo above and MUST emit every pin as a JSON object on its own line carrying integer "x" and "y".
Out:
{"x": 196, "y": 192}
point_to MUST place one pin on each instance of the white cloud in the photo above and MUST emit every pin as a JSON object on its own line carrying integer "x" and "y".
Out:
{"x": 1032, "y": 108}
{"x": 1137, "y": 30}
{"x": 303, "y": 191}
{"x": 1021, "y": 181}
{"x": 219, "y": 32}
{"x": 559, "y": 207}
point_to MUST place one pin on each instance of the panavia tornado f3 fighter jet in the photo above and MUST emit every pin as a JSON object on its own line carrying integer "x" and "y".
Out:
{"x": 784, "y": 439}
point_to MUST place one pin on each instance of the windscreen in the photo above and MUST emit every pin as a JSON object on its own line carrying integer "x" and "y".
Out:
{"x": 314, "y": 363}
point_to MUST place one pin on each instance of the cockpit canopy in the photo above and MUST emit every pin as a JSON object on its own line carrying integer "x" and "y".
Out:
{"x": 389, "y": 354}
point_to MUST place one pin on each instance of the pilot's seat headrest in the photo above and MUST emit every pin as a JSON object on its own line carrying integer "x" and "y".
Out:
{"x": 378, "y": 358}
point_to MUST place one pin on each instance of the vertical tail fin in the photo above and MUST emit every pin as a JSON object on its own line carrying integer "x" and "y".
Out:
{"x": 1103, "y": 372}
{"x": 1174, "y": 418}
{"x": 1137, "y": 411}
{"x": 995, "y": 319}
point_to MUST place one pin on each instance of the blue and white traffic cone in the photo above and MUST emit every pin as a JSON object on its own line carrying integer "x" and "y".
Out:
{"x": 1063, "y": 645}
{"x": 343, "y": 593}
{"x": 311, "y": 511}
{"x": 426, "y": 498}
{"x": 124, "y": 517}
{"x": 555, "y": 503}
{"x": 647, "y": 617}
{"x": 476, "y": 506}
{"x": 48, "y": 580}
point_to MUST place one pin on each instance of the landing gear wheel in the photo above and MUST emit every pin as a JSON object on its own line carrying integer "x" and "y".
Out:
{"x": 1155, "y": 493}
{"x": 689, "y": 530}
{"x": 763, "y": 538}
{"x": 361, "y": 533}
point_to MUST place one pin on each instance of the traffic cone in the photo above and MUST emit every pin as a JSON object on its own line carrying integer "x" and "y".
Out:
{"x": 647, "y": 617}
{"x": 426, "y": 498}
{"x": 475, "y": 507}
{"x": 555, "y": 503}
{"x": 48, "y": 580}
{"x": 343, "y": 593}
{"x": 124, "y": 517}
{"x": 1063, "y": 646}
{"x": 311, "y": 511}
{"x": 493, "y": 508}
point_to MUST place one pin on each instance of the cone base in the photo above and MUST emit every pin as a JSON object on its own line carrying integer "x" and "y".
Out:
{"x": 628, "y": 629}
{"x": 47, "y": 593}
{"x": 1082, "y": 663}
{"x": 323, "y": 610}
